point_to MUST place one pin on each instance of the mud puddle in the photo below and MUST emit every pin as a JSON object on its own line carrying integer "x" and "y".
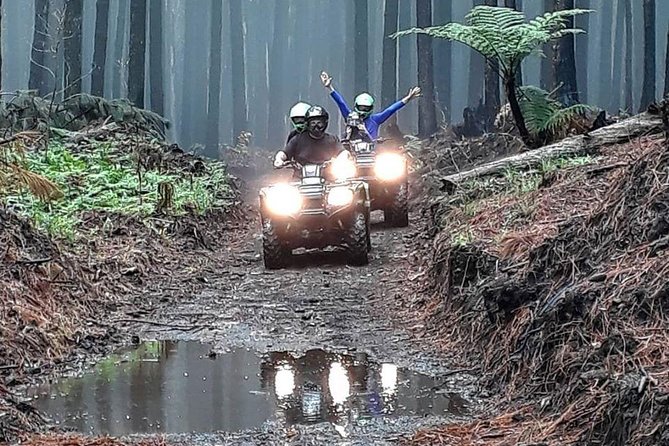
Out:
{"x": 179, "y": 387}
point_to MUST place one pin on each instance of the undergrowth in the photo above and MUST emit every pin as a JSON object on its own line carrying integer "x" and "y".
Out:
{"x": 110, "y": 179}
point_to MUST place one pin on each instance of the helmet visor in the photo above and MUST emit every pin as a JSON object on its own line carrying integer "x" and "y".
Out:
{"x": 317, "y": 126}
{"x": 299, "y": 122}
{"x": 363, "y": 108}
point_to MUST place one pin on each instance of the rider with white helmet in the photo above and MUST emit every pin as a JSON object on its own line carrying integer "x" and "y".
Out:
{"x": 364, "y": 105}
{"x": 298, "y": 119}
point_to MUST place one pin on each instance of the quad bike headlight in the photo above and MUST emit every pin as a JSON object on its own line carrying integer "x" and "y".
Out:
{"x": 340, "y": 196}
{"x": 389, "y": 166}
{"x": 343, "y": 169}
{"x": 283, "y": 199}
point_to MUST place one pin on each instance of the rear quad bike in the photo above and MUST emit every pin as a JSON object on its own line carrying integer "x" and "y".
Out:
{"x": 386, "y": 172}
{"x": 315, "y": 211}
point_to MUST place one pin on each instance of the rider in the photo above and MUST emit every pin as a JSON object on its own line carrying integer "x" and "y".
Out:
{"x": 298, "y": 119}
{"x": 364, "y": 105}
{"x": 314, "y": 146}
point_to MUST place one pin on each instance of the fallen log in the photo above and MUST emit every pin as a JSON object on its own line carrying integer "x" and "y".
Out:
{"x": 588, "y": 144}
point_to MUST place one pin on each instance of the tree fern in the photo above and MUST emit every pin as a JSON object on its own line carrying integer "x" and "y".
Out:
{"x": 503, "y": 35}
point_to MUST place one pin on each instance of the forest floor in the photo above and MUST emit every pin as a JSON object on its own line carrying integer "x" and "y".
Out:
{"x": 534, "y": 300}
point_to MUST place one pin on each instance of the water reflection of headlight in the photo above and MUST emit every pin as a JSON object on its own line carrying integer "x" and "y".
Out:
{"x": 284, "y": 381}
{"x": 283, "y": 199}
{"x": 311, "y": 404}
{"x": 389, "y": 378}
{"x": 340, "y": 389}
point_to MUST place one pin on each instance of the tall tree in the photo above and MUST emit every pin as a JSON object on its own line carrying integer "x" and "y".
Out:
{"x": 648, "y": 90}
{"x": 492, "y": 99}
{"x": 100, "y": 50}
{"x": 213, "y": 106}
{"x": 136, "y": 61}
{"x": 605, "y": 71}
{"x": 518, "y": 6}
{"x": 666, "y": 67}
{"x": 389, "y": 64}
{"x": 361, "y": 47}
{"x": 581, "y": 44}
{"x": 38, "y": 62}
{"x": 476, "y": 73}
{"x": 119, "y": 44}
{"x": 277, "y": 70}
{"x": 427, "y": 114}
{"x": 73, "y": 17}
{"x": 565, "y": 60}
{"x": 615, "y": 96}
{"x": 0, "y": 44}
{"x": 238, "y": 69}
{"x": 156, "y": 56}
{"x": 443, "y": 52}
{"x": 629, "y": 81}
{"x": 547, "y": 79}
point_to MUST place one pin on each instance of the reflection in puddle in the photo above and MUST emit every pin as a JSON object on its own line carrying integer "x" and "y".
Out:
{"x": 174, "y": 387}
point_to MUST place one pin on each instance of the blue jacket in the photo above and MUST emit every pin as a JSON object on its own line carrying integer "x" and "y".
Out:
{"x": 372, "y": 122}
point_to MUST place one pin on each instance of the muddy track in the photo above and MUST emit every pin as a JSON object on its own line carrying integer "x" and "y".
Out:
{"x": 318, "y": 302}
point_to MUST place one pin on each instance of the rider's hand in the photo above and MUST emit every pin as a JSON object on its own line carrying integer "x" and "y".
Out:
{"x": 279, "y": 159}
{"x": 326, "y": 79}
{"x": 413, "y": 93}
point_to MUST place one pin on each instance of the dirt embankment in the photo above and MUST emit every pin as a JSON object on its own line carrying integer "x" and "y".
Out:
{"x": 554, "y": 282}
{"x": 138, "y": 224}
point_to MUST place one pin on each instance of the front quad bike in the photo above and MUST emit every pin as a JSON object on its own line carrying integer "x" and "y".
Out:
{"x": 315, "y": 211}
{"x": 386, "y": 172}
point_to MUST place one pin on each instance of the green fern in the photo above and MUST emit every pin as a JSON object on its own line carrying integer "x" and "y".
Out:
{"x": 544, "y": 114}
{"x": 503, "y": 34}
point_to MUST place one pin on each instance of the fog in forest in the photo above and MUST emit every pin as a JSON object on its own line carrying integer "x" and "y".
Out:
{"x": 215, "y": 68}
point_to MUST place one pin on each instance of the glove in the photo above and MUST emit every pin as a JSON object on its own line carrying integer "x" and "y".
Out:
{"x": 280, "y": 159}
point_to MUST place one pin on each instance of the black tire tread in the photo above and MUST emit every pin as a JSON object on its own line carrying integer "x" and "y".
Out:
{"x": 274, "y": 253}
{"x": 357, "y": 240}
{"x": 397, "y": 213}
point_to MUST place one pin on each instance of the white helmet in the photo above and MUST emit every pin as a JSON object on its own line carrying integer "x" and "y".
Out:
{"x": 297, "y": 115}
{"x": 364, "y": 104}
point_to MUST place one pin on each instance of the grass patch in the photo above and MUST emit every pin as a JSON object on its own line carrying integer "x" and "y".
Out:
{"x": 107, "y": 178}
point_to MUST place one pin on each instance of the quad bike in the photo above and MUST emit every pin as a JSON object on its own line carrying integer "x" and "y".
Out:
{"x": 321, "y": 208}
{"x": 385, "y": 170}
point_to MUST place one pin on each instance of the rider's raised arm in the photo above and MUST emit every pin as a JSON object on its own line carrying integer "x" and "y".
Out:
{"x": 341, "y": 103}
{"x": 382, "y": 117}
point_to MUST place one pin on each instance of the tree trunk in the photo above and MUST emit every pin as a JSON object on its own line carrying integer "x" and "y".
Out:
{"x": 615, "y": 95}
{"x": 119, "y": 44}
{"x": 621, "y": 132}
{"x": 361, "y": 47}
{"x": 38, "y": 65}
{"x": 427, "y": 116}
{"x": 156, "y": 56}
{"x": 666, "y": 68}
{"x": 239, "y": 106}
{"x": 443, "y": 53}
{"x": 213, "y": 106}
{"x": 605, "y": 40}
{"x": 136, "y": 62}
{"x": 648, "y": 91}
{"x": 389, "y": 64}
{"x": 510, "y": 89}
{"x": 277, "y": 71}
{"x": 476, "y": 74}
{"x": 547, "y": 66}
{"x": 565, "y": 61}
{"x": 100, "y": 50}
{"x": 518, "y": 6}
{"x": 581, "y": 42}
{"x": 492, "y": 101}
{"x": 73, "y": 16}
{"x": 0, "y": 45}
{"x": 629, "y": 80}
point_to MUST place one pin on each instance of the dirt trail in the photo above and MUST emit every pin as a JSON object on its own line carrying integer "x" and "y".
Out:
{"x": 317, "y": 303}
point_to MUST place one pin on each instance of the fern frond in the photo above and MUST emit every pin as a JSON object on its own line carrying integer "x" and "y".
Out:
{"x": 561, "y": 118}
